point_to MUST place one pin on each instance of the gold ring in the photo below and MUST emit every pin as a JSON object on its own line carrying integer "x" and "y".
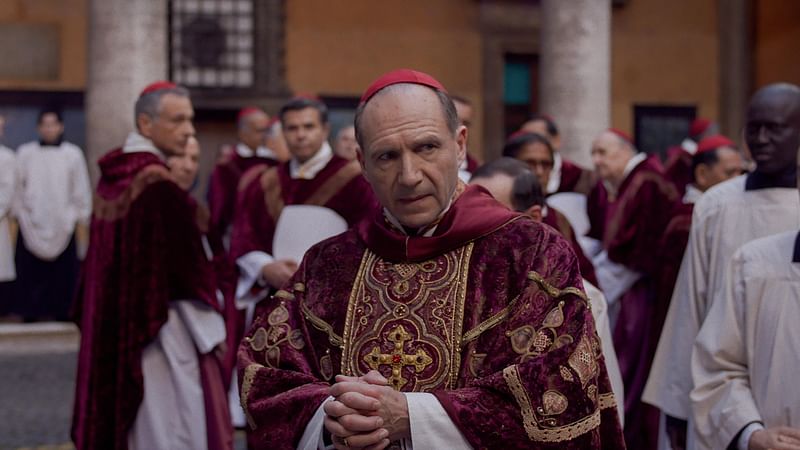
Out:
{"x": 346, "y": 444}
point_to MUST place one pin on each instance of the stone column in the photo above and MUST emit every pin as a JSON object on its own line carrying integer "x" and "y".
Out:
{"x": 576, "y": 71}
{"x": 127, "y": 51}
{"x": 735, "y": 63}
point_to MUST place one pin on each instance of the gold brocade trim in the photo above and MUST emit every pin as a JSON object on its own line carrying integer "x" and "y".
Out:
{"x": 532, "y": 428}
{"x": 321, "y": 325}
{"x": 489, "y": 323}
{"x": 458, "y": 317}
{"x": 284, "y": 295}
{"x": 554, "y": 291}
{"x": 247, "y": 384}
{"x": 607, "y": 400}
{"x": 351, "y": 305}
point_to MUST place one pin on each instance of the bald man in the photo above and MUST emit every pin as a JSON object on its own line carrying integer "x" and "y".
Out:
{"x": 628, "y": 210}
{"x": 445, "y": 320}
{"x": 730, "y": 214}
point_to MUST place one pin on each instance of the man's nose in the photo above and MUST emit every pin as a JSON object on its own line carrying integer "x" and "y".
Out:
{"x": 410, "y": 174}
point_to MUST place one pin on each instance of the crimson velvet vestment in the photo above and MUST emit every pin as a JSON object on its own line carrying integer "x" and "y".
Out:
{"x": 145, "y": 250}
{"x": 678, "y": 168}
{"x": 223, "y": 184}
{"x": 630, "y": 226}
{"x": 488, "y": 314}
{"x": 338, "y": 186}
{"x": 575, "y": 178}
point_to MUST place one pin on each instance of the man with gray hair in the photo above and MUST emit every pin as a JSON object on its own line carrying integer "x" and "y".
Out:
{"x": 444, "y": 320}
{"x": 147, "y": 303}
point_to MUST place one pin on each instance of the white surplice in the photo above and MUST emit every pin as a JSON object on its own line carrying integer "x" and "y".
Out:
{"x": 724, "y": 218}
{"x": 746, "y": 359}
{"x": 53, "y": 195}
{"x": 7, "y": 183}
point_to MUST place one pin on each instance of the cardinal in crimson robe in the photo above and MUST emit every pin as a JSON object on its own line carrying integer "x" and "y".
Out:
{"x": 443, "y": 321}
{"x": 147, "y": 305}
{"x": 253, "y": 125}
{"x": 628, "y": 211}
{"x": 727, "y": 216}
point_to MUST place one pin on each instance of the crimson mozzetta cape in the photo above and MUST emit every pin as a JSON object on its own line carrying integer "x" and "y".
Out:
{"x": 145, "y": 250}
{"x": 338, "y": 186}
{"x": 222, "y": 187}
{"x": 489, "y": 309}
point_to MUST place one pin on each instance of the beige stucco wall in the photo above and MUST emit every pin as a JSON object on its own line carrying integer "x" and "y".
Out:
{"x": 338, "y": 48}
{"x": 664, "y": 52}
{"x": 777, "y": 42}
{"x": 71, "y": 18}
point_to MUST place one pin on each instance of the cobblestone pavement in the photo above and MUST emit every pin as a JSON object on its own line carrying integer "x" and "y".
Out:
{"x": 36, "y": 394}
{"x": 36, "y": 400}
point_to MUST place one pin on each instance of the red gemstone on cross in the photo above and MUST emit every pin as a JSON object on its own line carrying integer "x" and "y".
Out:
{"x": 396, "y": 359}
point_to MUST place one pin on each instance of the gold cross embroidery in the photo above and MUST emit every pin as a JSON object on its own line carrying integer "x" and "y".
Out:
{"x": 397, "y": 359}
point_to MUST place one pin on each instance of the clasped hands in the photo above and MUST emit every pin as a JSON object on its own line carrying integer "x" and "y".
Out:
{"x": 366, "y": 413}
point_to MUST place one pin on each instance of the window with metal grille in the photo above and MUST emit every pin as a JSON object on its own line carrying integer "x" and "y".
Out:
{"x": 212, "y": 43}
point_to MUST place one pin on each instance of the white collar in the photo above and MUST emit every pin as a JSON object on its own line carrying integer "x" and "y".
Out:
{"x": 262, "y": 151}
{"x": 309, "y": 169}
{"x": 428, "y": 233}
{"x": 692, "y": 194}
{"x": 135, "y": 142}
{"x": 689, "y": 146}
{"x": 555, "y": 174}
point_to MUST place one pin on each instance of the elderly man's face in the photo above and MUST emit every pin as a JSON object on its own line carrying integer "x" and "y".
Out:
{"x": 346, "y": 145}
{"x": 184, "y": 167}
{"x": 610, "y": 156}
{"x": 171, "y": 129}
{"x": 410, "y": 157}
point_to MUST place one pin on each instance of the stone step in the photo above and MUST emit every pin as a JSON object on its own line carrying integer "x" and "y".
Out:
{"x": 39, "y": 337}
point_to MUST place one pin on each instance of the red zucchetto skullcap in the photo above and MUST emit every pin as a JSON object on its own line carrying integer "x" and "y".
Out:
{"x": 248, "y": 110}
{"x": 622, "y": 135}
{"x": 714, "y": 142}
{"x": 699, "y": 126}
{"x": 401, "y": 76}
{"x": 157, "y": 86}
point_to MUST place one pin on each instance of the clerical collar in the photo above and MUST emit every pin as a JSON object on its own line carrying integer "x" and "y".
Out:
{"x": 692, "y": 195}
{"x": 427, "y": 230}
{"x": 135, "y": 142}
{"x": 261, "y": 152}
{"x": 555, "y": 174}
{"x": 796, "y": 254}
{"x": 309, "y": 169}
{"x": 57, "y": 143}
{"x": 756, "y": 180}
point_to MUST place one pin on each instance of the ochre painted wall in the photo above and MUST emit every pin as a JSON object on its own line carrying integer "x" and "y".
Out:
{"x": 71, "y": 16}
{"x": 664, "y": 52}
{"x": 777, "y": 42}
{"x": 338, "y": 48}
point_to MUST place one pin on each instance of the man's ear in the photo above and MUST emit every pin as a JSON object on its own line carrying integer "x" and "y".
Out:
{"x": 461, "y": 141}
{"x": 701, "y": 176}
{"x": 144, "y": 124}
{"x": 534, "y": 212}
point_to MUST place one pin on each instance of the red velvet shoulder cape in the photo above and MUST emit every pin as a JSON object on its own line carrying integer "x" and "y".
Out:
{"x": 145, "y": 250}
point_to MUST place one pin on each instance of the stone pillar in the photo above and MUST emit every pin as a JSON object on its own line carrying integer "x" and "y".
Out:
{"x": 735, "y": 63}
{"x": 576, "y": 71}
{"x": 127, "y": 51}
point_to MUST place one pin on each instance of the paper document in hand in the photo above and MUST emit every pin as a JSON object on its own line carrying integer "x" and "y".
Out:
{"x": 301, "y": 226}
